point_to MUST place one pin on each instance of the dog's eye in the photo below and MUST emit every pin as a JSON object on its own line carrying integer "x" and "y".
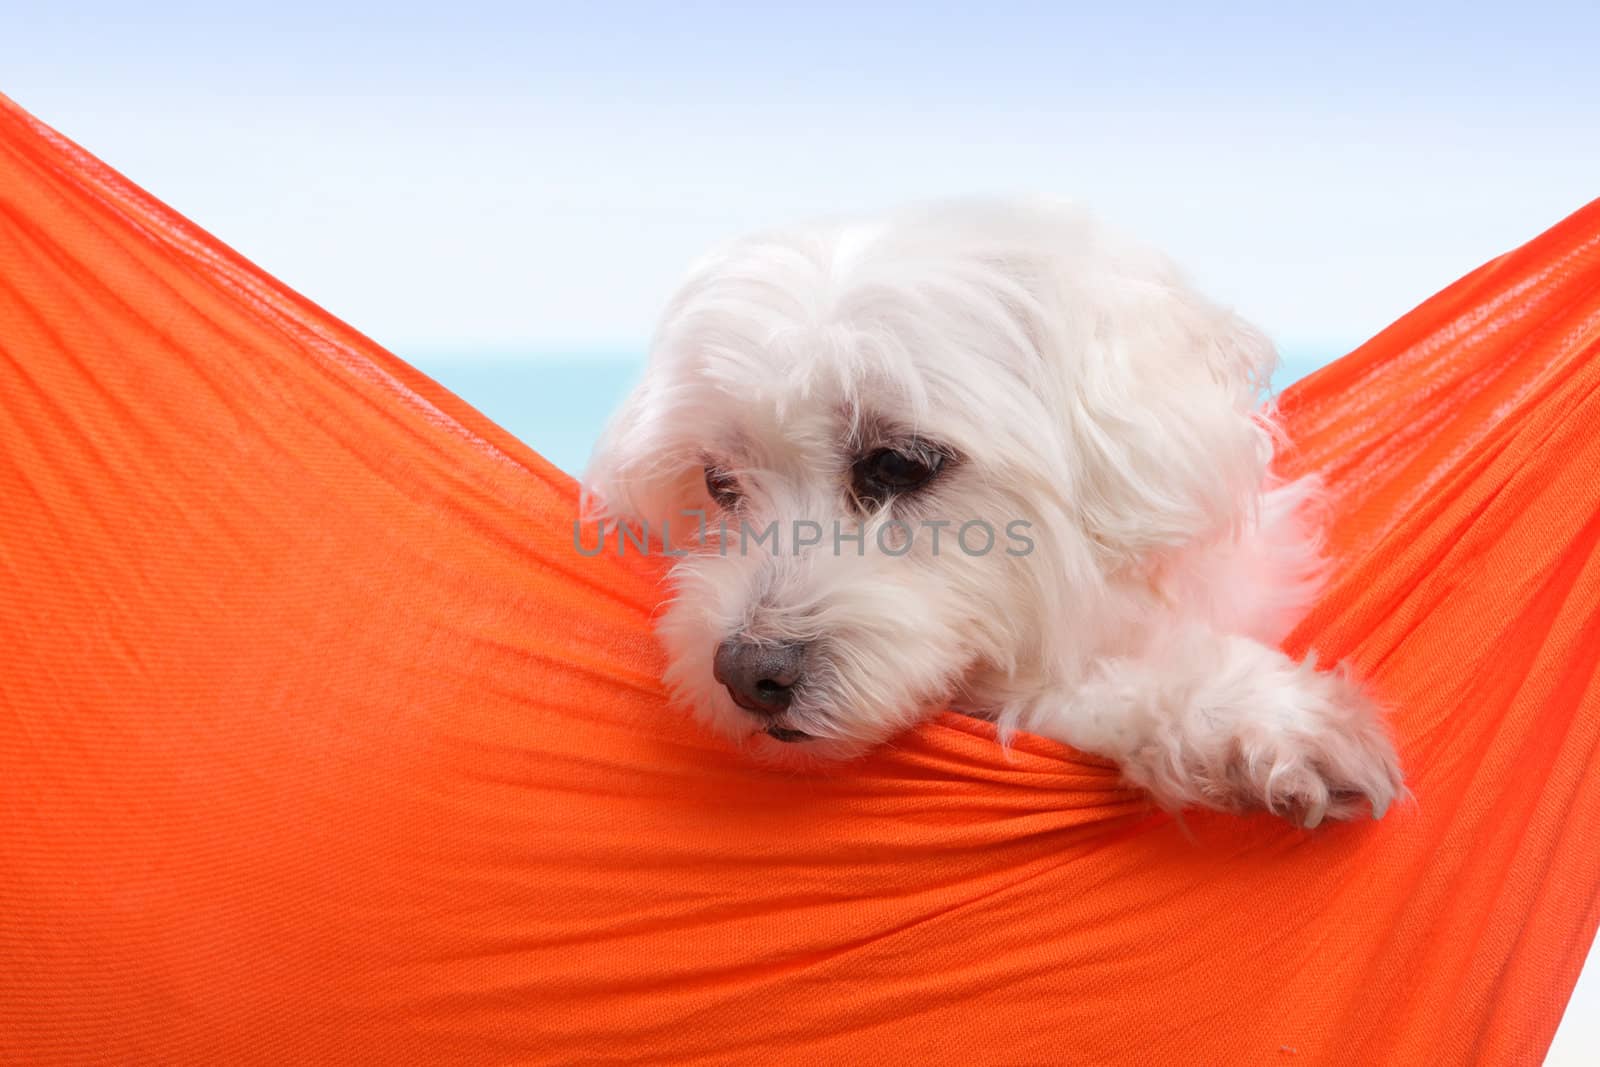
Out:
{"x": 723, "y": 487}
{"x": 889, "y": 471}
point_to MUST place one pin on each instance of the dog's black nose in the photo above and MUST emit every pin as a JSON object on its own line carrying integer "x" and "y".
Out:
{"x": 760, "y": 677}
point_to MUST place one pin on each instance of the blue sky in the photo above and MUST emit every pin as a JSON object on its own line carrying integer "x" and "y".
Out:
{"x": 524, "y": 178}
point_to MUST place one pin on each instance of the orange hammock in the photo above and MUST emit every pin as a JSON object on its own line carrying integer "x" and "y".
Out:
{"x": 319, "y": 742}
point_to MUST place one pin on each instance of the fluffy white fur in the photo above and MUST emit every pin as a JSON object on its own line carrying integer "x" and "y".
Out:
{"x": 1078, "y": 383}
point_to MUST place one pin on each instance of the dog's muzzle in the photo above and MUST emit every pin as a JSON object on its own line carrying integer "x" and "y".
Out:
{"x": 761, "y": 678}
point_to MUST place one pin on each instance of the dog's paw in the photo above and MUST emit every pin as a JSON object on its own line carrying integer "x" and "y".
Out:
{"x": 1261, "y": 732}
{"x": 1321, "y": 753}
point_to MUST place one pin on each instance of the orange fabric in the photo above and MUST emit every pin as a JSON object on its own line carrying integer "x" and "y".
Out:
{"x": 319, "y": 742}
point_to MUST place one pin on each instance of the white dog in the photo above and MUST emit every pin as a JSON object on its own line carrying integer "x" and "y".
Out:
{"x": 987, "y": 456}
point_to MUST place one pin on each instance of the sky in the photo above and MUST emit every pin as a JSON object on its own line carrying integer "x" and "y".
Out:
{"x": 533, "y": 178}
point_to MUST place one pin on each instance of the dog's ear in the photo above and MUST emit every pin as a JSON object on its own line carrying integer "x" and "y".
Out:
{"x": 1160, "y": 389}
{"x": 1170, "y": 402}
{"x": 638, "y": 474}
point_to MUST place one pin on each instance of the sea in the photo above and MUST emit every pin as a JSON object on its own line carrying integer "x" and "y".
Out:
{"x": 558, "y": 402}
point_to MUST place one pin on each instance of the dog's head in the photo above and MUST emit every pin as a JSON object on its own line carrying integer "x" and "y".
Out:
{"x": 911, "y": 462}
